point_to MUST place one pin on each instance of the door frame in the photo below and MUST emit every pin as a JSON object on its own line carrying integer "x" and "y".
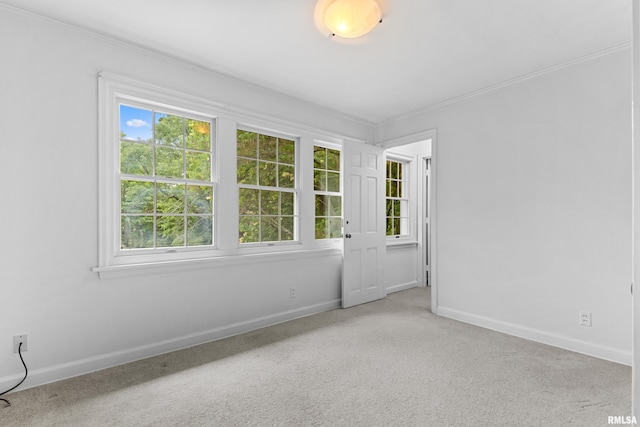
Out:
{"x": 433, "y": 266}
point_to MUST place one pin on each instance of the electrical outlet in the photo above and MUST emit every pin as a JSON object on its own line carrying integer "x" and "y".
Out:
{"x": 292, "y": 292}
{"x": 17, "y": 339}
{"x": 585, "y": 318}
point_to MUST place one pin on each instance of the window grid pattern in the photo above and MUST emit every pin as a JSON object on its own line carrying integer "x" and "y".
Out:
{"x": 166, "y": 185}
{"x": 397, "y": 200}
{"x": 328, "y": 198}
{"x": 266, "y": 173}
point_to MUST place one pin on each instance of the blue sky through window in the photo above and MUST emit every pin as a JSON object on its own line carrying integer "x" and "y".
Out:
{"x": 136, "y": 123}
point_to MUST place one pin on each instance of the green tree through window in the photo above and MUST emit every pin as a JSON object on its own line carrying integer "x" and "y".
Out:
{"x": 328, "y": 199}
{"x": 397, "y": 201}
{"x": 267, "y": 188}
{"x": 166, "y": 186}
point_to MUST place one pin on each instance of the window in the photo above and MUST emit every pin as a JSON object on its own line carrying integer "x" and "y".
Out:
{"x": 172, "y": 196}
{"x": 328, "y": 199}
{"x": 397, "y": 201}
{"x": 165, "y": 179}
{"x": 267, "y": 187}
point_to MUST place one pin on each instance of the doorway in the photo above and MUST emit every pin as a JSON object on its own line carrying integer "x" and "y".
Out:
{"x": 411, "y": 258}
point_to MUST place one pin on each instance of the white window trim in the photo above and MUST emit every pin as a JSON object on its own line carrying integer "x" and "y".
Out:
{"x": 111, "y": 92}
{"x": 117, "y": 189}
{"x": 227, "y": 250}
{"x": 295, "y": 190}
{"x": 410, "y": 239}
{"x": 338, "y": 147}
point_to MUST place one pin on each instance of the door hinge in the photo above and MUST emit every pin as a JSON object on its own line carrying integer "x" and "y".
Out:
{"x": 631, "y": 288}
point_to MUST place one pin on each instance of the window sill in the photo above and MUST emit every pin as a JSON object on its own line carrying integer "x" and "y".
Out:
{"x": 400, "y": 244}
{"x": 164, "y": 267}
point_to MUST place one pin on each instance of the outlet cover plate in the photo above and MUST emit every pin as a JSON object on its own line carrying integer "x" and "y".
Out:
{"x": 17, "y": 339}
{"x": 585, "y": 318}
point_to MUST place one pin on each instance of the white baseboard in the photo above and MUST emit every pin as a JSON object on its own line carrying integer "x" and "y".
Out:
{"x": 84, "y": 366}
{"x": 402, "y": 287}
{"x": 578, "y": 346}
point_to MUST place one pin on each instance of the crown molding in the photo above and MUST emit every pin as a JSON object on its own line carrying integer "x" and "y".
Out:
{"x": 178, "y": 60}
{"x": 509, "y": 82}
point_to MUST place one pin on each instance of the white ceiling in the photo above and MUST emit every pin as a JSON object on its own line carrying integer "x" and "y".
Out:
{"x": 424, "y": 52}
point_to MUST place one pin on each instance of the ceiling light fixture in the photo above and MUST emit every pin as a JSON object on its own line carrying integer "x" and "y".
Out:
{"x": 349, "y": 18}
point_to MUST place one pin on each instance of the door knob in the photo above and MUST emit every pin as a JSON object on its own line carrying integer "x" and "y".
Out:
{"x": 348, "y": 236}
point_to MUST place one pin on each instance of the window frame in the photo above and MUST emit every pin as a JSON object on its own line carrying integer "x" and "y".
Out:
{"x": 226, "y": 249}
{"x": 296, "y": 190}
{"x": 408, "y": 179}
{"x": 338, "y": 148}
{"x": 112, "y": 91}
{"x": 159, "y": 179}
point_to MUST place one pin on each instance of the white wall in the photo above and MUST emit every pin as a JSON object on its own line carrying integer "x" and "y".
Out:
{"x": 533, "y": 208}
{"x": 534, "y": 205}
{"x": 49, "y": 217}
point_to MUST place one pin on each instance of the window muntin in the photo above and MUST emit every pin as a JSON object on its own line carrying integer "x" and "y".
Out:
{"x": 397, "y": 199}
{"x": 165, "y": 179}
{"x": 266, "y": 175}
{"x": 328, "y": 199}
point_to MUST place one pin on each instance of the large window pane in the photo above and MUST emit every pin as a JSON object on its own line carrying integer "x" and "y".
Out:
{"x": 333, "y": 160}
{"x": 335, "y": 228}
{"x": 333, "y": 182}
{"x": 266, "y": 164}
{"x": 267, "y": 148}
{"x": 335, "y": 206}
{"x": 170, "y": 231}
{"x": 169, "y": 162}
{"x": 198, "y": 166}
{"x": 249, "y": 201}
{"x": 136, "y": 158}
{"x": 136, "y": 232}
{"x": 270, "y": 202}
{"x": 247, "y": 144}
{"x": 270, "y": 229}
{"x": 163, "y": 150}
{"x": 249, "y": 229}
{"x": 170, "y": 198}
{"x": 286, "y": 151}
{"x": 267, "y": 174}
{"x": 320, "y": 180}
{"x": 136, "y": 123}
{"x": 247, "y": 171}
{"x": 136, "y": 196}
{"x": 397, "y": 203}
{"x": 322, "y": 205}
{"x": 319, "y": 157}
{"x": 199, "y": 199}
{"x": 287, "y": 203}
{"x": 286, "y": 176}
{"x": 326, "y": 183}
{"x": 199, "y": 230}
{"x": 198, "y": 135}
{"x": 169, "y": 130}
{"x": 287, "y": 228}
{"x": 321, "y": 228}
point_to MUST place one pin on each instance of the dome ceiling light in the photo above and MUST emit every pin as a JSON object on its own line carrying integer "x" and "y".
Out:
{"x": 349, "y": 18}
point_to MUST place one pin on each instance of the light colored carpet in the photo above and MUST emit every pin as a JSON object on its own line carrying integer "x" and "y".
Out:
{"x": 387, "y": 363}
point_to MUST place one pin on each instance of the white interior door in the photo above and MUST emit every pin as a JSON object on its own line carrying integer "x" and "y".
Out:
{"x": 364, "y": 224}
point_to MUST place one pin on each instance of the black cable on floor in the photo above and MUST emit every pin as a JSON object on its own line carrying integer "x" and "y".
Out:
{"x": 26, "y": 372}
